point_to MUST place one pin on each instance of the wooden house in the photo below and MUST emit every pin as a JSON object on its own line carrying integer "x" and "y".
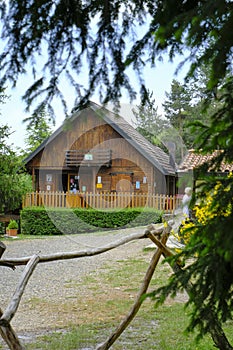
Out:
{"x": 97, "y": 150}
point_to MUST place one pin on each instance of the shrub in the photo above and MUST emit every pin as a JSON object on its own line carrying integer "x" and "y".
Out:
{"x": 41, "y": 221}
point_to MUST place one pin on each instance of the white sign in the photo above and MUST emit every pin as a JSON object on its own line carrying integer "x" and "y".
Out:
{"x": 88, "y": 156}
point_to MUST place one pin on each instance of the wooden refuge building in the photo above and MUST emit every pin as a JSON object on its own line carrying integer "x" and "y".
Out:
{"x": 97, "y": 150}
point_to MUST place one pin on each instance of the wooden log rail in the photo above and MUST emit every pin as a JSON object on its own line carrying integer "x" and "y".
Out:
{"x": 158, "y": 235}
{"x": 163, "y": 233}
{"x": 6, "y": 330}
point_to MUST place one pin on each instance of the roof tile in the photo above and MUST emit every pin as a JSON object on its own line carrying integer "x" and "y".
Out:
{"x": 194, "y": 160}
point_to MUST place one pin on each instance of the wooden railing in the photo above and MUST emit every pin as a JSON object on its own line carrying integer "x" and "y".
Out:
{"x": 103, "y": 200}
{"x": 92, "y": 158}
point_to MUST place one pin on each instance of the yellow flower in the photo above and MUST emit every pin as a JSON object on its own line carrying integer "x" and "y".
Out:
{"x": 203, "y": 213}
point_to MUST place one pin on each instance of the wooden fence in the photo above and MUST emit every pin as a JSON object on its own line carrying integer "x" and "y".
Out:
{"x": 102, "y": 200}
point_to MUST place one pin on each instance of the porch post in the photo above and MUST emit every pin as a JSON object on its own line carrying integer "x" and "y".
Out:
{"x": 94, "y": 172}
{"x": 33, "y": 179}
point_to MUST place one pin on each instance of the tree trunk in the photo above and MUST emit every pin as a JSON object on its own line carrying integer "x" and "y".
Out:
{"x": 219, "y": 337}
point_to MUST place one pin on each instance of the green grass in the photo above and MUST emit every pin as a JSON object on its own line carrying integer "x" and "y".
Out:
{"x": 111, "y": 295}
{"x": 161, "y": 329}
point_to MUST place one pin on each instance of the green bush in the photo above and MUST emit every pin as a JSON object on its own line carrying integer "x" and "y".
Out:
{"x": 2, "y": 228}
{"x": 41, "y": 221}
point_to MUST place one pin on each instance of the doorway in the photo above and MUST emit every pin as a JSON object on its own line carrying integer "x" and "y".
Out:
{"x": 122, "y": 182}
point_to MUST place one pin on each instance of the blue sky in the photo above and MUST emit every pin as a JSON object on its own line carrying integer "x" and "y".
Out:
{"x": 13, "y": 112}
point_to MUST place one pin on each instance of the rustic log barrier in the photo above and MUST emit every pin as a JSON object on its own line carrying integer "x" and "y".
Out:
{"x": 6, "y": 331}
{"x": 162, "y": 232}
{"x": 158, "y": 236}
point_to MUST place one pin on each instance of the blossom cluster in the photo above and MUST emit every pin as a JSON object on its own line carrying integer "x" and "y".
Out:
{"x": 204, "y": 212}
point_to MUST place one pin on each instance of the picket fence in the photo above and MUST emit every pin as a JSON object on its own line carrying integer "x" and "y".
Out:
{"x": 101, "y": 200}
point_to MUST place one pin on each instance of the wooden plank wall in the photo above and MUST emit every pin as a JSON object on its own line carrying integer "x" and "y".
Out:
{"x": 89, "y": 132}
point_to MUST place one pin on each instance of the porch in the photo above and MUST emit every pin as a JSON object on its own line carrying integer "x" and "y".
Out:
{"x": 101, "y": 200}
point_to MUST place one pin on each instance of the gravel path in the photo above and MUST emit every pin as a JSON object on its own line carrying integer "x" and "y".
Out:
{"x": 49, "y": 280}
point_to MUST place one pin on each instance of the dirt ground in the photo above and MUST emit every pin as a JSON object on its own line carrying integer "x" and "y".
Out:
{"x": 56, "y": 295}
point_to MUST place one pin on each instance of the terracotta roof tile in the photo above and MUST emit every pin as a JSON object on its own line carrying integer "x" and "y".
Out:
{"x": 194, "y": 160}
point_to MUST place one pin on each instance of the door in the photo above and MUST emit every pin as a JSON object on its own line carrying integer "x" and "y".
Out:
{"x": 121, "y": 183}
{"x": 73, "y": 183}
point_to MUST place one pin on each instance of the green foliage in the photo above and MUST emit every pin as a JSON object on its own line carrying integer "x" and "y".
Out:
{"x": 38, "y": 129}
{"x": 110, "y": 37}
{"x": 218, "y": 134}
{"x": 2, "y": 228}
{"x": 208, "y": 273}
{"x": 13, "y": 225}
{"x": 187, "y": 107}
{"x": 148, "y": 122}
{"x": 177, "y": 105}
{"x": 201, "y": 27}
{"x": 210, "y": 246}
{"x": 41, "y": 221}
{"x": 186, "y": 103}
{"x": 14, "y": 183}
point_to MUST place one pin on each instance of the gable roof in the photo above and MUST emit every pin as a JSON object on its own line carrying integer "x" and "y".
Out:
{"x": 153, "y": 154}
{"x": 194, "y": 160}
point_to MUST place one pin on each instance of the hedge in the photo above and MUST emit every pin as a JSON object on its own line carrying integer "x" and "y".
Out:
{"x": 41, "y": 221}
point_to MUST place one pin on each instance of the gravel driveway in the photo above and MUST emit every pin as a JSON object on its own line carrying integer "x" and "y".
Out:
{"x": 49, "y": 280}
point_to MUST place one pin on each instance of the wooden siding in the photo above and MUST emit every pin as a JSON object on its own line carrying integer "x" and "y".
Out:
{"x": 112, "y": 179}
{"x": 90, "y": 133}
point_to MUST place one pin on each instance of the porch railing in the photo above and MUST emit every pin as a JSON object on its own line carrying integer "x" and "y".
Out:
{"x": 93, "y": 158}
{"x": 103, "y": 200}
